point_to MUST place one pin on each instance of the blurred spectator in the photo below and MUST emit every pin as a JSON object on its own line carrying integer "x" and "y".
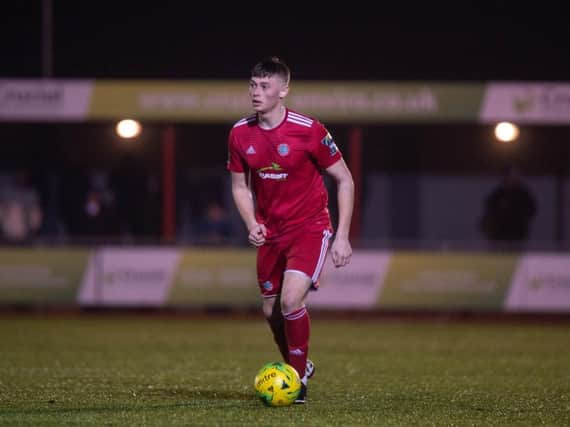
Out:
{"x": 151, "y": 217}
{"x": 509, "y": 210}
{"x": 138, "y": 198}
{"x": 215, "y": 226}
{"x": 99, "y": 208}
{"x": 73, "y": 185}
{"x": 21, "y": 214}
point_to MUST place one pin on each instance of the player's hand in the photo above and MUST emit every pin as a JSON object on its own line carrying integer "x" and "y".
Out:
{"x": 257, "y": 235}
{"x": 341, "y": 252}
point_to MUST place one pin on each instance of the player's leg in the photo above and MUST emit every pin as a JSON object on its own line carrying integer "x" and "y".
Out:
{"x": 305, "y": 259}
{"x": 270, "y": 266}
{"x": 276, "y": 322}
{"x": 296, "y": 286}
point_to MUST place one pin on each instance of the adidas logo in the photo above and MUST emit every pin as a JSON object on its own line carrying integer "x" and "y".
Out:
{"x": 296, "y": 352}
{"x": 250, "y": 150}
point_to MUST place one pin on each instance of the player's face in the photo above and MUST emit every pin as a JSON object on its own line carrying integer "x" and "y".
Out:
{"x": 266, "y": 93}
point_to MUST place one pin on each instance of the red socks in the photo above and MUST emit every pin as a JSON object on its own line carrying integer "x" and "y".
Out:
{"x": 297, "y": 330}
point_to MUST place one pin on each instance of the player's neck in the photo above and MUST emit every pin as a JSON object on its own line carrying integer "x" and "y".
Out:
{"x": 272, "y": 118}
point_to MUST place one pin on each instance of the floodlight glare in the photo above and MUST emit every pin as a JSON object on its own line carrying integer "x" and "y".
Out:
{"x": 128, "y": 128}
{"x": 506, "y": 132}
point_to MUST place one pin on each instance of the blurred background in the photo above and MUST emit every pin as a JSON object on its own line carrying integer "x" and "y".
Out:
{"x": 413, "y": 96}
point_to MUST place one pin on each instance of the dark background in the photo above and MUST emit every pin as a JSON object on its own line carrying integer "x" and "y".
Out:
{"x": 436, "y": 41}
{"x": 478, "y": 40}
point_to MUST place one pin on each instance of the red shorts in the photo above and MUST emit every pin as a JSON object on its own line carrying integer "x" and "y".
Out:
{"x": 303, "y": 250}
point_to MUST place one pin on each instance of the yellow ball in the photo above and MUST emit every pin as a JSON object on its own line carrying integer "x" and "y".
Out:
{"x": 277, "y": 384}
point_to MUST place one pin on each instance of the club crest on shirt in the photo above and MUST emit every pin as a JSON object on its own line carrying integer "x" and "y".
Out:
{"x": 283, "y": 149}
{"x": 329, "y": 142}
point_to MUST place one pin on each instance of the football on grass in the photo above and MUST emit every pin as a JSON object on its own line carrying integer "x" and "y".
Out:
{"x": 277, "y": 384}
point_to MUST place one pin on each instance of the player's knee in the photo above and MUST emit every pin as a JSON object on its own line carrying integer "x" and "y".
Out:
{"x": 267, "y": 313}
{"x": 269, "y": 309}
{"x": 290, "y": 304}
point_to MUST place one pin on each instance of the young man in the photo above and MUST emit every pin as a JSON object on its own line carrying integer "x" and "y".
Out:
{"x": 282, "y": 154}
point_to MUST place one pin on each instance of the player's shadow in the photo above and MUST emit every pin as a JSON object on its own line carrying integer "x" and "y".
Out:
{"x": 181, "y": 398}
{"x": 196, "y": 394}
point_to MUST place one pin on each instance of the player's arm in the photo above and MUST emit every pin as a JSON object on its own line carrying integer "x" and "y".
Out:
{"x": 244, "y": 203}
{"x": 341, "y": 249}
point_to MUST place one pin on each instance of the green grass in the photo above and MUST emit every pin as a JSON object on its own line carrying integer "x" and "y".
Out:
{"x": 151, "y": 371}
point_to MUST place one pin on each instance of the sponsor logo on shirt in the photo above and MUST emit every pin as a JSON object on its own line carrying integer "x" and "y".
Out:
{"x": 274, "y": 172}
{"x": 250, "y": 150}
{"x": 329, "y": 142}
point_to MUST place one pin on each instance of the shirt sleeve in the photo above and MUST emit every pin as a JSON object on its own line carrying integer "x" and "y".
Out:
{"x": 235, "y": 161}
{"x": 323, "y": 148}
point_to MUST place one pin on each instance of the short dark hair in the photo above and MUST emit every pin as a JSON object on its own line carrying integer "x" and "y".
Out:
{"x": 271, "y": 66}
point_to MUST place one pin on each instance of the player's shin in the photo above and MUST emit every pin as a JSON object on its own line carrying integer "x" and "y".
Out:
{"x": 276, "y": 322}
{"x": 277, "y": 326}
{"x": 297, "y": 330}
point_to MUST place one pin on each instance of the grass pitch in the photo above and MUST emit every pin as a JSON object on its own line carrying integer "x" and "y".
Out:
{"x": 145, "y": 370}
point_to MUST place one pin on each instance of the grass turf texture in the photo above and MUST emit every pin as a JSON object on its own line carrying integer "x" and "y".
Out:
{"x": 145, "y": 370}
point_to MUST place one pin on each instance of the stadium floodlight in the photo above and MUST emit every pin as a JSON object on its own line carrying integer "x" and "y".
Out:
{"x": 128, "y": 128}
{"x": 506, "y": 131}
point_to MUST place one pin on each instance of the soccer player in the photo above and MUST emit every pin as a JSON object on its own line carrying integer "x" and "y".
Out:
{"x": 278, "y": 156}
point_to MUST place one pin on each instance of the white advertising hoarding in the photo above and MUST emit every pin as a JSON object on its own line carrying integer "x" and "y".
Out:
{"x": 44, "y": 100}
{"x": 122, "y": 277}
{"x": 356, "y": 285}
{"x": 545, "y": 103}
{"x": 540, "y": 283}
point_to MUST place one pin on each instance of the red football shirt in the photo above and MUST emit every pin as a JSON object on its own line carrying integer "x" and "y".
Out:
{"x": 286, "y": 165}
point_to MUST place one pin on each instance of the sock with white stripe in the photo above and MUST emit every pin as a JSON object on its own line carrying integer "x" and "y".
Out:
{"x": 297, "y": 330}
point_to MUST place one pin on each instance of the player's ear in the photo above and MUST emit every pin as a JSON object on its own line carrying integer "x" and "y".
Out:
{"x": 284, "y": 91}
